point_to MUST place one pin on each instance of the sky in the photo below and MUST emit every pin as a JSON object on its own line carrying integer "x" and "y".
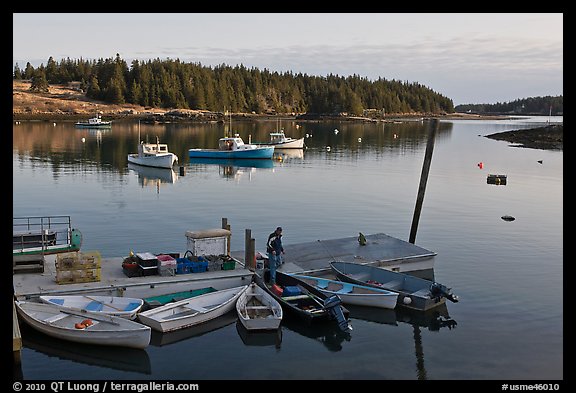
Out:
{"x": 470, "y": 58}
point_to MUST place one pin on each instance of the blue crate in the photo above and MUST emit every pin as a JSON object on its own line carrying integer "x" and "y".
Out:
{"x": 291, "y": 291}
{"x": 199, "y": 267}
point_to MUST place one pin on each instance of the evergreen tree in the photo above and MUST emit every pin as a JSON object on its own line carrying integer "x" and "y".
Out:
{"x": 17, "y": 72}
{"x": 39, "y": 82}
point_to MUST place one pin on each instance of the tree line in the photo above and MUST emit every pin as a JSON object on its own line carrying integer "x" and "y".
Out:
{"x": 180, "y": 85}
{"x": 548, "y": 105}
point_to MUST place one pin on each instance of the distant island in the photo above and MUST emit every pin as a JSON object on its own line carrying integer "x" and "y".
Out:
{"x": 531, "y": 106}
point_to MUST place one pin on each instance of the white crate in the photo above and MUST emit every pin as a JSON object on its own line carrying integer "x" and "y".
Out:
{"x": 208, "y": 242}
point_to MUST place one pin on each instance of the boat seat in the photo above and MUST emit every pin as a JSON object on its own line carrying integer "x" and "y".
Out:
{"x": 297, "y": 297}
{"x": 257, "y": 307}
{"x": 131, "y": 306}
{"x": 346, "y": 288}
{"x": 55, "y": 318}
{"x": 57, "y": 301}
{"x": 94, "y": 306}
{"x": 394, "y": 284}
{"x": 322, "y": 284}
{"x": 422, "y": 292}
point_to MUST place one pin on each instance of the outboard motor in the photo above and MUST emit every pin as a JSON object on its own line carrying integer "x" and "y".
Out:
{"x": 438, "y": 291}
{"x": 332, "y": 305}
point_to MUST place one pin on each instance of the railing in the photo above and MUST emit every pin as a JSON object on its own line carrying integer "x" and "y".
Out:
{"x": 41, "y": 233}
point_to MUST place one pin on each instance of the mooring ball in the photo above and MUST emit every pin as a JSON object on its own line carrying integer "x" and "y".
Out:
{"x": 407, "y": 300}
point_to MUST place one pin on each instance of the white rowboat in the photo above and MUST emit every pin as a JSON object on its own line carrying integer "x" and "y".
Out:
{"x": 66, "y": 324}
{"x": 258, "y": 310}
{"x": 191, "y": 311}
{"x": 119, "y": 306}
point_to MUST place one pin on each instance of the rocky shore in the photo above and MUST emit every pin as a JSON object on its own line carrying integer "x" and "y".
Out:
{"x": 548, "y": 137}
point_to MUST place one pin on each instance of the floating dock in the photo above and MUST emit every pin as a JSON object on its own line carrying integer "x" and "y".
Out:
{"x": 380, "y": 250}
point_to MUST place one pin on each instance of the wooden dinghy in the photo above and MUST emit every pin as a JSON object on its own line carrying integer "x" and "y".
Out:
{"x": 83, "y": 326}
{"x": 258, "y": 310}
{"x": 192, "y": 311}
{"x": 359, "y": 295}
{"x": 125, "y": 307}
{"x": 413, "y": 292}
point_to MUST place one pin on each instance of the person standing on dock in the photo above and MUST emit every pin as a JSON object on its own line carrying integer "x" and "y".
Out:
{"x": 274, "y": 249}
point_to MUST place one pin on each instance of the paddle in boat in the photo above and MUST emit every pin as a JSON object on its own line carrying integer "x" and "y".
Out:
{"x": 413, "y": 292}
{"x": 305, "y": 301}
{"x": 94, "y": 122}
{"x": 233, "y": 148}
{"x": 153, "y": 155}
{"x": 192, "y": 311}
{"x": 118, "y": 306}
{"x": 359, "y": 295}
{"x": 83, "y": 326}
{"x": 258, "y": 310}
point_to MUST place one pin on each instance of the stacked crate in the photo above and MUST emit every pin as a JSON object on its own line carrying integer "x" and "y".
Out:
{"x": 77, "y": 267}
{"x": 166, "y": 265}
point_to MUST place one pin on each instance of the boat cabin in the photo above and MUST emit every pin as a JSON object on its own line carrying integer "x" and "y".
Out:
{"x": 277, "y": 137}
{"x": 152, "y": 149}
{"x": 231, "y": 143}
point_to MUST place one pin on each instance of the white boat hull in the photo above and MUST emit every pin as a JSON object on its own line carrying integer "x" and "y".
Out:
{"x": 158, "y": 161}
{"x": 192, "y": 311}
{"x": 60, "y": 322}
{"x": 258, "y": 310}
{"x": 123, "y": 307}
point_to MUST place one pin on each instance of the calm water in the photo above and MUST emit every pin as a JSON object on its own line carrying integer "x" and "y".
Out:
{"x": 509, "y": 275}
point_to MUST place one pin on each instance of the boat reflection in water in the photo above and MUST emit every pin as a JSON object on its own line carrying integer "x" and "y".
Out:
{"x": 282, "y": 155}
{"x": 329, "y": 334}
{"x": 153, "y": 177}
{"x": 433, "y": 320}
{"x": 234, "y": 168}
{"x": 259, "y": 338}
{"x": 159, "y": 339}
{"x": 118, "y": 358}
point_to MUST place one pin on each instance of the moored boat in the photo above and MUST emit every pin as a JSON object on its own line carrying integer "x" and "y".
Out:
{"x": 359, "y": 295}
{"x": 280, "y": 141}
{"x": 192, "y": 311}
{"x": 153, "y": 155}
{"x": 305, "y": 301}
{"x": 413, "y": 292}
{"x": 119, "y": 306}
{"x": 233, "y": 148}
{"x": 94, "y": 122}
{"x": 83, "y": 326}
{"x": 258, "y": 310}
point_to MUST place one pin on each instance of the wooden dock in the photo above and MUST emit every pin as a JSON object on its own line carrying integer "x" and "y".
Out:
{"x": 380, "y": 250}
{"x": 16, "y": 336}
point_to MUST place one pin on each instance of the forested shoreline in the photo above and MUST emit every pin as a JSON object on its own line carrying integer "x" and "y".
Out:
{"x": 179, "y": 85}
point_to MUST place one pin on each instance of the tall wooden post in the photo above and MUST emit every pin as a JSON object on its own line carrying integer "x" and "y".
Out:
{"x": 424, "y": 178}
{"x": 248, "y": 256}
{"x": 226, "y": 226}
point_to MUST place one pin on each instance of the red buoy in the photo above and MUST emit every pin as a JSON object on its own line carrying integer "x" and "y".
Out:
{"x": 480, "y": 165}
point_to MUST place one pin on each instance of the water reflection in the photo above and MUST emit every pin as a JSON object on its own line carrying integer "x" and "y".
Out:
{"x": 159, "y": 339}
{"x": 283, "y": 155}
{"x": 124, "y": 359}
{"x": 148, "y": 176}
{"x": 231, "y": 168}
{"x": 259, "y": 338}
{"x": 328, "y": 334}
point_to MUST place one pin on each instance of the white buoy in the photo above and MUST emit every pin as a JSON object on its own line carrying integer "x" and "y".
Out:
{"x": 307, "y": 136}
{"x": 407, "y": 300}
{"x": 336, "y": 131}
{"x": 327, "y": 148}
{"x": 83, "y": 139}
{"x": 359, "y": 139}
{"x": 54, "y": 124}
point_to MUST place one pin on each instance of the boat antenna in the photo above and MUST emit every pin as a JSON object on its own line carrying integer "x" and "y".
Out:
{"x": 138, "y": 131}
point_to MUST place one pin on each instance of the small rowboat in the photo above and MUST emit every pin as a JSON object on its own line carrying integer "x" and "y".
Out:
{"x": 83, "y": 326}
{"x": 119, "y": 306}
{"x": 258, "y": 310}
{"x": 359, "y": 295}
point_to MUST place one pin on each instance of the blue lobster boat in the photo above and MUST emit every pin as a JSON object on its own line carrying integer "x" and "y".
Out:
{"x": 233, "y": 148}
